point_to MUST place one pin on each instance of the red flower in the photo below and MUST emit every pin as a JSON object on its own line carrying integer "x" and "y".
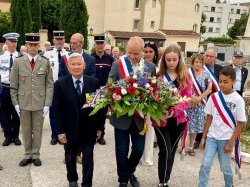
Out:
{"x": 131, "y": 90}
{"x": 155, "y": 87}
{"x": 131, "y": 81}
{"x": 118, "y": 90}
{"x": 109, "y": 89}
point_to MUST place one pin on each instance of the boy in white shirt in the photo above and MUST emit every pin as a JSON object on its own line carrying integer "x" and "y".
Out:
{"x": 225, "y": 119}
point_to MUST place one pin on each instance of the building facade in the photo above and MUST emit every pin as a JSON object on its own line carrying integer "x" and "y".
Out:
{"x": 4, "y": 5}
{"x": 220, "y": 17}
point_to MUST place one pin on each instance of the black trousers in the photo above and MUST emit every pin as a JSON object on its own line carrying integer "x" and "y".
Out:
{"x": 167, "y": 139}
{"x": 87, "y": 163}
{"x": 10, "y": 121}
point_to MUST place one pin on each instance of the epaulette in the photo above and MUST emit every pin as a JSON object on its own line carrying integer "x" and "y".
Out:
{"x": 45, "y": 57}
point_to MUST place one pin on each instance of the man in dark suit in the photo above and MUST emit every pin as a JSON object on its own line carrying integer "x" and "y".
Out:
{"x": 126, "y": 127}
{"x": 241, "y": 72}
{"x": 75, "y": 127}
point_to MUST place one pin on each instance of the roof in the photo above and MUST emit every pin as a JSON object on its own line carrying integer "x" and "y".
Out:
{"x": 148, "y": 35}
{"x": 180, "y": 32}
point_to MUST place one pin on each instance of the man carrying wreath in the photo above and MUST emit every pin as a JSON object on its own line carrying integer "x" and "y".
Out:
{"x": 126, "y": 127}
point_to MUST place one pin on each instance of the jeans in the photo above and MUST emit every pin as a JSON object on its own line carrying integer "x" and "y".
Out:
{"x": 212, "y": 147}
{"x": 127, "y": 166}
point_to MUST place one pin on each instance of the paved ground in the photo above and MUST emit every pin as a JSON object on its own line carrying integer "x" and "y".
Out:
{"x": 53, "y": 173}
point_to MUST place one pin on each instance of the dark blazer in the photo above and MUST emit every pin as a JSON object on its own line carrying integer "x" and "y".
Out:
{"x": 217, "y": 69}
{"x": 244, "y": 73}
{"x": 124, "y": 122}
{"x": 90, "y": 61}
{"x": 75, "y": 122}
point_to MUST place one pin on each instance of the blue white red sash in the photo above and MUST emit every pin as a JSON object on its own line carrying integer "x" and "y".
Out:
{"x": 228, "y": 118}
{"x": 168, "y": 81}
{"x": 196, "y": 85}
{"x": 125, "y": 66}
{"x": 213, "y": 77}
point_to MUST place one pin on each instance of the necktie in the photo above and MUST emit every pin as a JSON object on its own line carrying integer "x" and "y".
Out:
{"x": 59, "y": 55}
{"x": 32, "y": 64}
{"x": 11, "y": 61}
{"x": 78, "y": 87}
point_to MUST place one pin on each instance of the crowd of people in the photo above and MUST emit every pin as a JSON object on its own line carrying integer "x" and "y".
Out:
{"x": 56, "y": 81}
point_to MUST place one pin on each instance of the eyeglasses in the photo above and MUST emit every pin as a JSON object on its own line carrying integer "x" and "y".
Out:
{"x": 149, "y": 42}
{"x": 209, "y": 56}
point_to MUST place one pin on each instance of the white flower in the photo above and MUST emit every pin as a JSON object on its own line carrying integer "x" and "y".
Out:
{"x": 135, "y": 76}
{"x": 154, "y": 80}
{"x": 123, "y": 91}
{"x": 135, "y": 85}
{"x": 147, "y": 85}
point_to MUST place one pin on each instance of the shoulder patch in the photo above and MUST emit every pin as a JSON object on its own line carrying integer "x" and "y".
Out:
{"x": 45, "y": 57}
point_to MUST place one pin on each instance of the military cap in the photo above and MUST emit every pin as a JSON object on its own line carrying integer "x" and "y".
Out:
{"x": 238, "y": 54}
{"x": 11, "y": 36}
{"x": 99, "y": 38}
{"x": 58, "y": 34}
{"x": 32, "y": 38}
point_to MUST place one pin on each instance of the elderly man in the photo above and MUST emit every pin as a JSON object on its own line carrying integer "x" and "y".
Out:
{"x": 241, "y": 72}
{"x": 57, "y": 57}
{"x": 126, "y": 127}
{"x": 9, "y": 118}
{"x": 31, "y": 76}
{"x": 116, "y": 53}
{"x": 107, "y": 49}
{"x": 75, "y": 126}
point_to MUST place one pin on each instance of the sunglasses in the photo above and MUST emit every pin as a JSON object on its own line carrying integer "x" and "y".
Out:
{"x": 149, "y": 42}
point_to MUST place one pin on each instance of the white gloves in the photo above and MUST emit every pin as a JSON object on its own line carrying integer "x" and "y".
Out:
{"x": 45, "y": 110}
{"x": 17, "y": 110}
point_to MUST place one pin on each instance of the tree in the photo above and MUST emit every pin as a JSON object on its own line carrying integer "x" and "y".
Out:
{"x": 5, "y": 23}
{"x": 51, "y": 11}
{"x": 239, "y": 27}
{"x": 203, "y": 19}
{"x": 35, "y": 6}
{"x": 21, "y": 18}
{"x": 74, "y": 18}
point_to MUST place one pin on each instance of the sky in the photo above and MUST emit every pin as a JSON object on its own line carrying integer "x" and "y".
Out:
{"x": 236, "y": 1}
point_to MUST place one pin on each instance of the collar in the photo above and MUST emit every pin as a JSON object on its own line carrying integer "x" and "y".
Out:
{"x": 237, "y": 68}
{"x": 15, "y": 53}
{"x": 74, "y": 79}
{"x": 30, "y": 57}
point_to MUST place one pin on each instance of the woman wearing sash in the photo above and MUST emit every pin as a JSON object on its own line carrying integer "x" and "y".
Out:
{"x": 202, "y": 86}
{"x": 174, "y": 73}
{"x": 151, "y": 55}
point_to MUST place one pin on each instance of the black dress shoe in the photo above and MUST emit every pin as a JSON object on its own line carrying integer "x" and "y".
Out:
{"x": 6, "y": 142}
{"x": 53, "y": 141}
{"x": 101, "y": 141}
{"x": 123, "y": 184}
{"x": 25, "y": 162}
{"x": 73, "y": 184}
{"x": 134, "y": 181}
{"x": 17, "y": 141}
{"x": 37, "y": 162}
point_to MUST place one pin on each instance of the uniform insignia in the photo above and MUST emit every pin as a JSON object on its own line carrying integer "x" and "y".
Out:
{"x": 19, "y": 55}
{"x": 45, "y": 57}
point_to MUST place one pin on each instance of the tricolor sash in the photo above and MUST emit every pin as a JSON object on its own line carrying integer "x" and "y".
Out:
{"x": 125, "y": 66}
{"x": 196, "y": 85}
{"x": 168, "y": 81}
{"x": 213, "y": 77}
{"x": 228, "y": 119}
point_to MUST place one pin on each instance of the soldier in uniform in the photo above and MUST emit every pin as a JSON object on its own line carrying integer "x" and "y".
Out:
{"x": 9, "y": 118}
{"x": 32, "y": 78}
{"x": 104, "y": 63}
{"x": 57, "y": 57}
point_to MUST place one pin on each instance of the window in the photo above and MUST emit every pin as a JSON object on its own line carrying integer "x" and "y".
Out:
{"x": 136, "y": 25}
{"x": 205, "y": 8}
{"x": 212, "y": 9}
{"x": 197, "y": 7}
{"x": 231, "y": 20}
{"x": 219, "y": 20}
{"x": 153, "y": 3}
{"x": 238, "y": 11}
{"x": 195, "y": 27}
{"x": 217, "y": 30}
{"x": 152, "y": 25}
{"x": 210, "y": 29}
{"x": 211, "y": 19}
{"x": 232, "y": 11}
{"x": 137, "y": 4}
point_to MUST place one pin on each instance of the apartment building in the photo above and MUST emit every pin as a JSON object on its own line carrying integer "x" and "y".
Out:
{"x": 180, "y": 20}
{"x": 220, "y": 17}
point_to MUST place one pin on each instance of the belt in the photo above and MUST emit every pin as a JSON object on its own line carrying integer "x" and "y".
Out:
{"x": 5, "y": 84}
